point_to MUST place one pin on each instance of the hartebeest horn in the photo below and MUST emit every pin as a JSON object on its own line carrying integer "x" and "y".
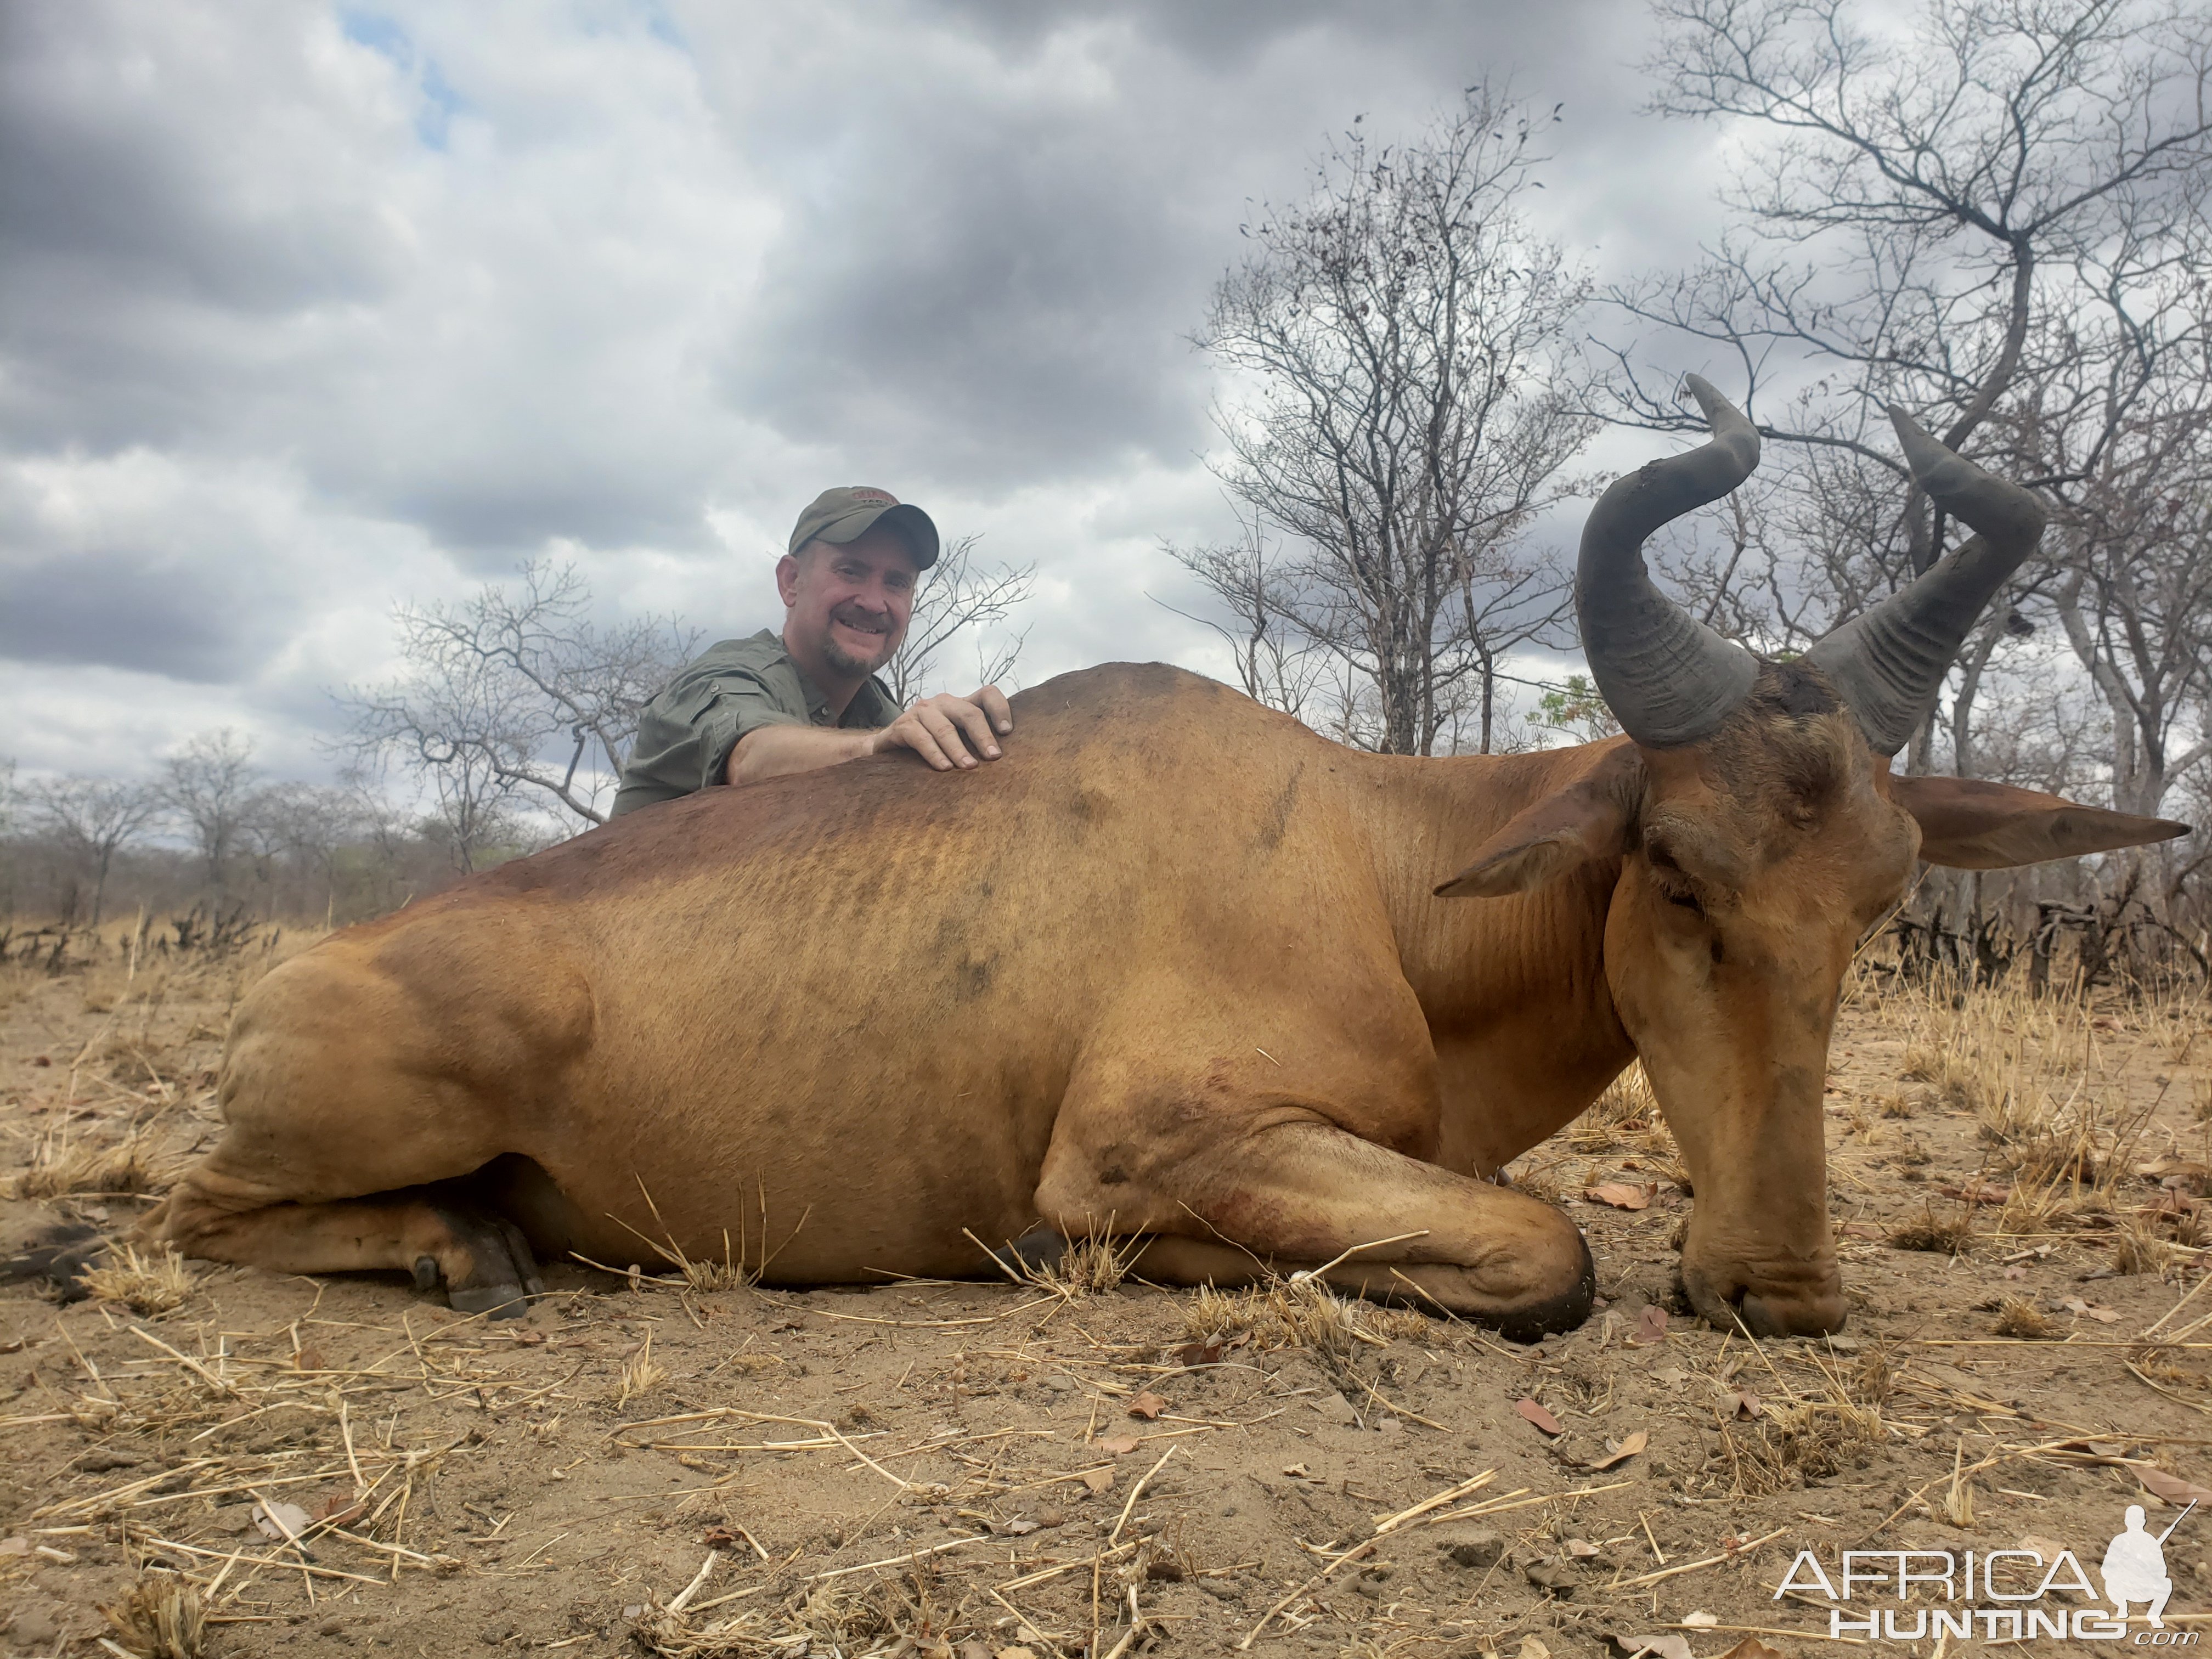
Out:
{"x": 1889, "y": 663}
{"x": 1668, "y": 678}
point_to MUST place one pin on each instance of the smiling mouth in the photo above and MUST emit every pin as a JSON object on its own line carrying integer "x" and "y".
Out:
{"x": 872, "y": 629}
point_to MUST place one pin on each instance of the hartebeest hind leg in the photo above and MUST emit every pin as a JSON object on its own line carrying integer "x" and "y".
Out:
{"x": 364, "y": 1082}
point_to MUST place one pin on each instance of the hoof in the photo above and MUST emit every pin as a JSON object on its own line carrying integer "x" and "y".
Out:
{"x": 499, "y": 1301}
{"x": 502, "y": 1273}
{"x": 1040, "y": 1248}
{"x": 1560, "y": 1313}
{"x": 60, "y": 1255}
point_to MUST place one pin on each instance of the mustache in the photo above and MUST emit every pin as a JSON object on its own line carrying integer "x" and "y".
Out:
{"x": 855, "y": 615}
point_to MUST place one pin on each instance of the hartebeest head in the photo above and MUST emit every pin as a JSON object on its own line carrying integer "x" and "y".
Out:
{"x": 1761, "y": 832}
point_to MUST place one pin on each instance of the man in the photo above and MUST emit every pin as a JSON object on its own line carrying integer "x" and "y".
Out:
{"x": 761, "y": 707}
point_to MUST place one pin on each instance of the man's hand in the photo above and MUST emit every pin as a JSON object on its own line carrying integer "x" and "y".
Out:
{"x": 951, "y": 732}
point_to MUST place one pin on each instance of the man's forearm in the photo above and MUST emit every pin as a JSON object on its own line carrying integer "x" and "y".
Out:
{"x": 772, "y": 751}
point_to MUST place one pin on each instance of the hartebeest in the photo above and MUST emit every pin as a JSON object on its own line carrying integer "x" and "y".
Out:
{"x": 1176, "y": 967}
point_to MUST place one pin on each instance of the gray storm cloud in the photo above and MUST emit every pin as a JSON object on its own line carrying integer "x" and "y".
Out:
{"x": 468, "y": 281}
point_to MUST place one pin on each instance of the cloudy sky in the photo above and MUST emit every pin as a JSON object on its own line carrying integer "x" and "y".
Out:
{"x": 307, "y": 309}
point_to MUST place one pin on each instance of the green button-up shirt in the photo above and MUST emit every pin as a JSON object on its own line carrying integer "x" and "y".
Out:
{"x": 685, "y": 735}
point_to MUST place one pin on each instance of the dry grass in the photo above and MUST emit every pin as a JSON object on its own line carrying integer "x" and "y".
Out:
{"x": 64, "y": 1168}
{"x": 160, "y": 1619}
{"x": 1287, "y": 1313}
{"x": 1953, "y": 1236}
{"x": 2023, "y": 1320}
{"x": 149, "y": 1284}
{"x": 641, "y": 1376}
{"x": 1088, "y": 1267}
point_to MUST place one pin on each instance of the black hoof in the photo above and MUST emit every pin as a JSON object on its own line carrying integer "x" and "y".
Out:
{"x": 59, "y": 1254}
{"x": 1040, "y": 1248}
{"x": 505, "y": 1273}
{"x": 499, "y": 1301}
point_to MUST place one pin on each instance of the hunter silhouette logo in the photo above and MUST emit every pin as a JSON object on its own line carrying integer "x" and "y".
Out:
{"x": 2135, "y": 1567}
{"x": 2021, "y": 1593}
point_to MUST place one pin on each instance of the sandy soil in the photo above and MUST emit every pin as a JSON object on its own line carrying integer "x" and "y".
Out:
{"x": 1036, "y": 1467}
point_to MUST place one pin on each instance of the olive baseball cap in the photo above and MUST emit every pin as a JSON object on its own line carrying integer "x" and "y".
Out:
{"x": 844, "y": 515}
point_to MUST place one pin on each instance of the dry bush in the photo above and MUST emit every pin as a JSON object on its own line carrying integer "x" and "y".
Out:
{"x": 1953, "y": 1236}
{"x": 1299, "y": 1313}
{"x": 60, "y": 1169}
{"x": 147, "y": 1284}
{"x": 1627, "y": 1111}
{"x": 1091, "y": 1266}
{"x": 1812, "y": 1439}
{"x": 642, "y": 1376}
{"x": 2017, "y": 1318}
{"x": 2138, "y": 1248}
{"x": 160, "y": 1619}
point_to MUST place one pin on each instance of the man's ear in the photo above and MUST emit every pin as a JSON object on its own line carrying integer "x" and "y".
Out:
{"x": 1968, "y": 824}
{"x": 1586, "y": 820}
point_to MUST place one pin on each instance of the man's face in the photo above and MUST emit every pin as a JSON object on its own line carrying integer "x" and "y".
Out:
{"x": 851, "y": 603}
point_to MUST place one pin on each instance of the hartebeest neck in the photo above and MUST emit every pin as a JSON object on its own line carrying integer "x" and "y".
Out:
{"x": 1472, "y": 960}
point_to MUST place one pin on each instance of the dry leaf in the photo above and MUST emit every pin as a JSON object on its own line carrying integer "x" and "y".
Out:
{"x": 1019, "y": 1528}
{"x": 1666, "y": 1645}
{"x": 719, "y": 1538}
{"x": 340, "y": 1510}
{"x": 1621, "y": 1451}
{"x": 1536, "y": 1414}
{"x": 1621, "y": 1195}
{"x": 15, "y": 1546}
{"x": 1700, "y": 1619}
{"x": 1533, "y": 1648}
{"x": 1099, "y": 1481}
{"x": 281, "y": 1518}
{"x": 1580, "y": 1548}
{"x": 2170, "y": 1487}
{"x": 1752, "y": 1648}
{"x": 2103, "y": 1315}
{"x": 1650, "y": 1326}
{"x": 1120, "y": 1444}
{"x": 1977, "y": 1192}
{"x": 1014, "y": 1653}
{"x": 1298, "y": 1471}
{"x": 1148, "y": 1406}
{"x": 1199, "y": 1353}
{"x": 1746, "y": 1403}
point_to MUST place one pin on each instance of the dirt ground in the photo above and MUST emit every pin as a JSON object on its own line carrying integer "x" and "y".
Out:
{"x": 645, "y": 1465}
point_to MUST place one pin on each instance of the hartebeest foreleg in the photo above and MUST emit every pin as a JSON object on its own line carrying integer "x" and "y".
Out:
{"x": 483, "y": 1259}
{"x": 1296, "y": 1194}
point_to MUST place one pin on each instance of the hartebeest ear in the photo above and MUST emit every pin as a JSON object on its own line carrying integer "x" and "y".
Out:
{"x": 1969, "y": 824}
{"x": 1586, "y": 820}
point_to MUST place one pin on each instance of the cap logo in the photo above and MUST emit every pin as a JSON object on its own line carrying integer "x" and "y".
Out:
{"x": 883, "y": 495}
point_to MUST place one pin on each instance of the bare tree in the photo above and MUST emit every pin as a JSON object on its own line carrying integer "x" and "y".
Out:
{"x": 1910, "y": 225}
{"x": 95, "y": 819}
{"x": 1279, "y": 663}
{"x": 954, "y": 596}
{"x": 210, "y": 784}
{"x": 1411, "y": 408}
{"x": 2123, "y": 427}
{"x": 507, "y": 694}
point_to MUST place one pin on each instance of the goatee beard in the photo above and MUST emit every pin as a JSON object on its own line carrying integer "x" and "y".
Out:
{"x": 845, "y": 662}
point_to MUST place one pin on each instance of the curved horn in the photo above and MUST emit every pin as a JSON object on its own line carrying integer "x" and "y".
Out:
{"x": 1889, "y": 663}
{"x": 1668, "y": 678}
